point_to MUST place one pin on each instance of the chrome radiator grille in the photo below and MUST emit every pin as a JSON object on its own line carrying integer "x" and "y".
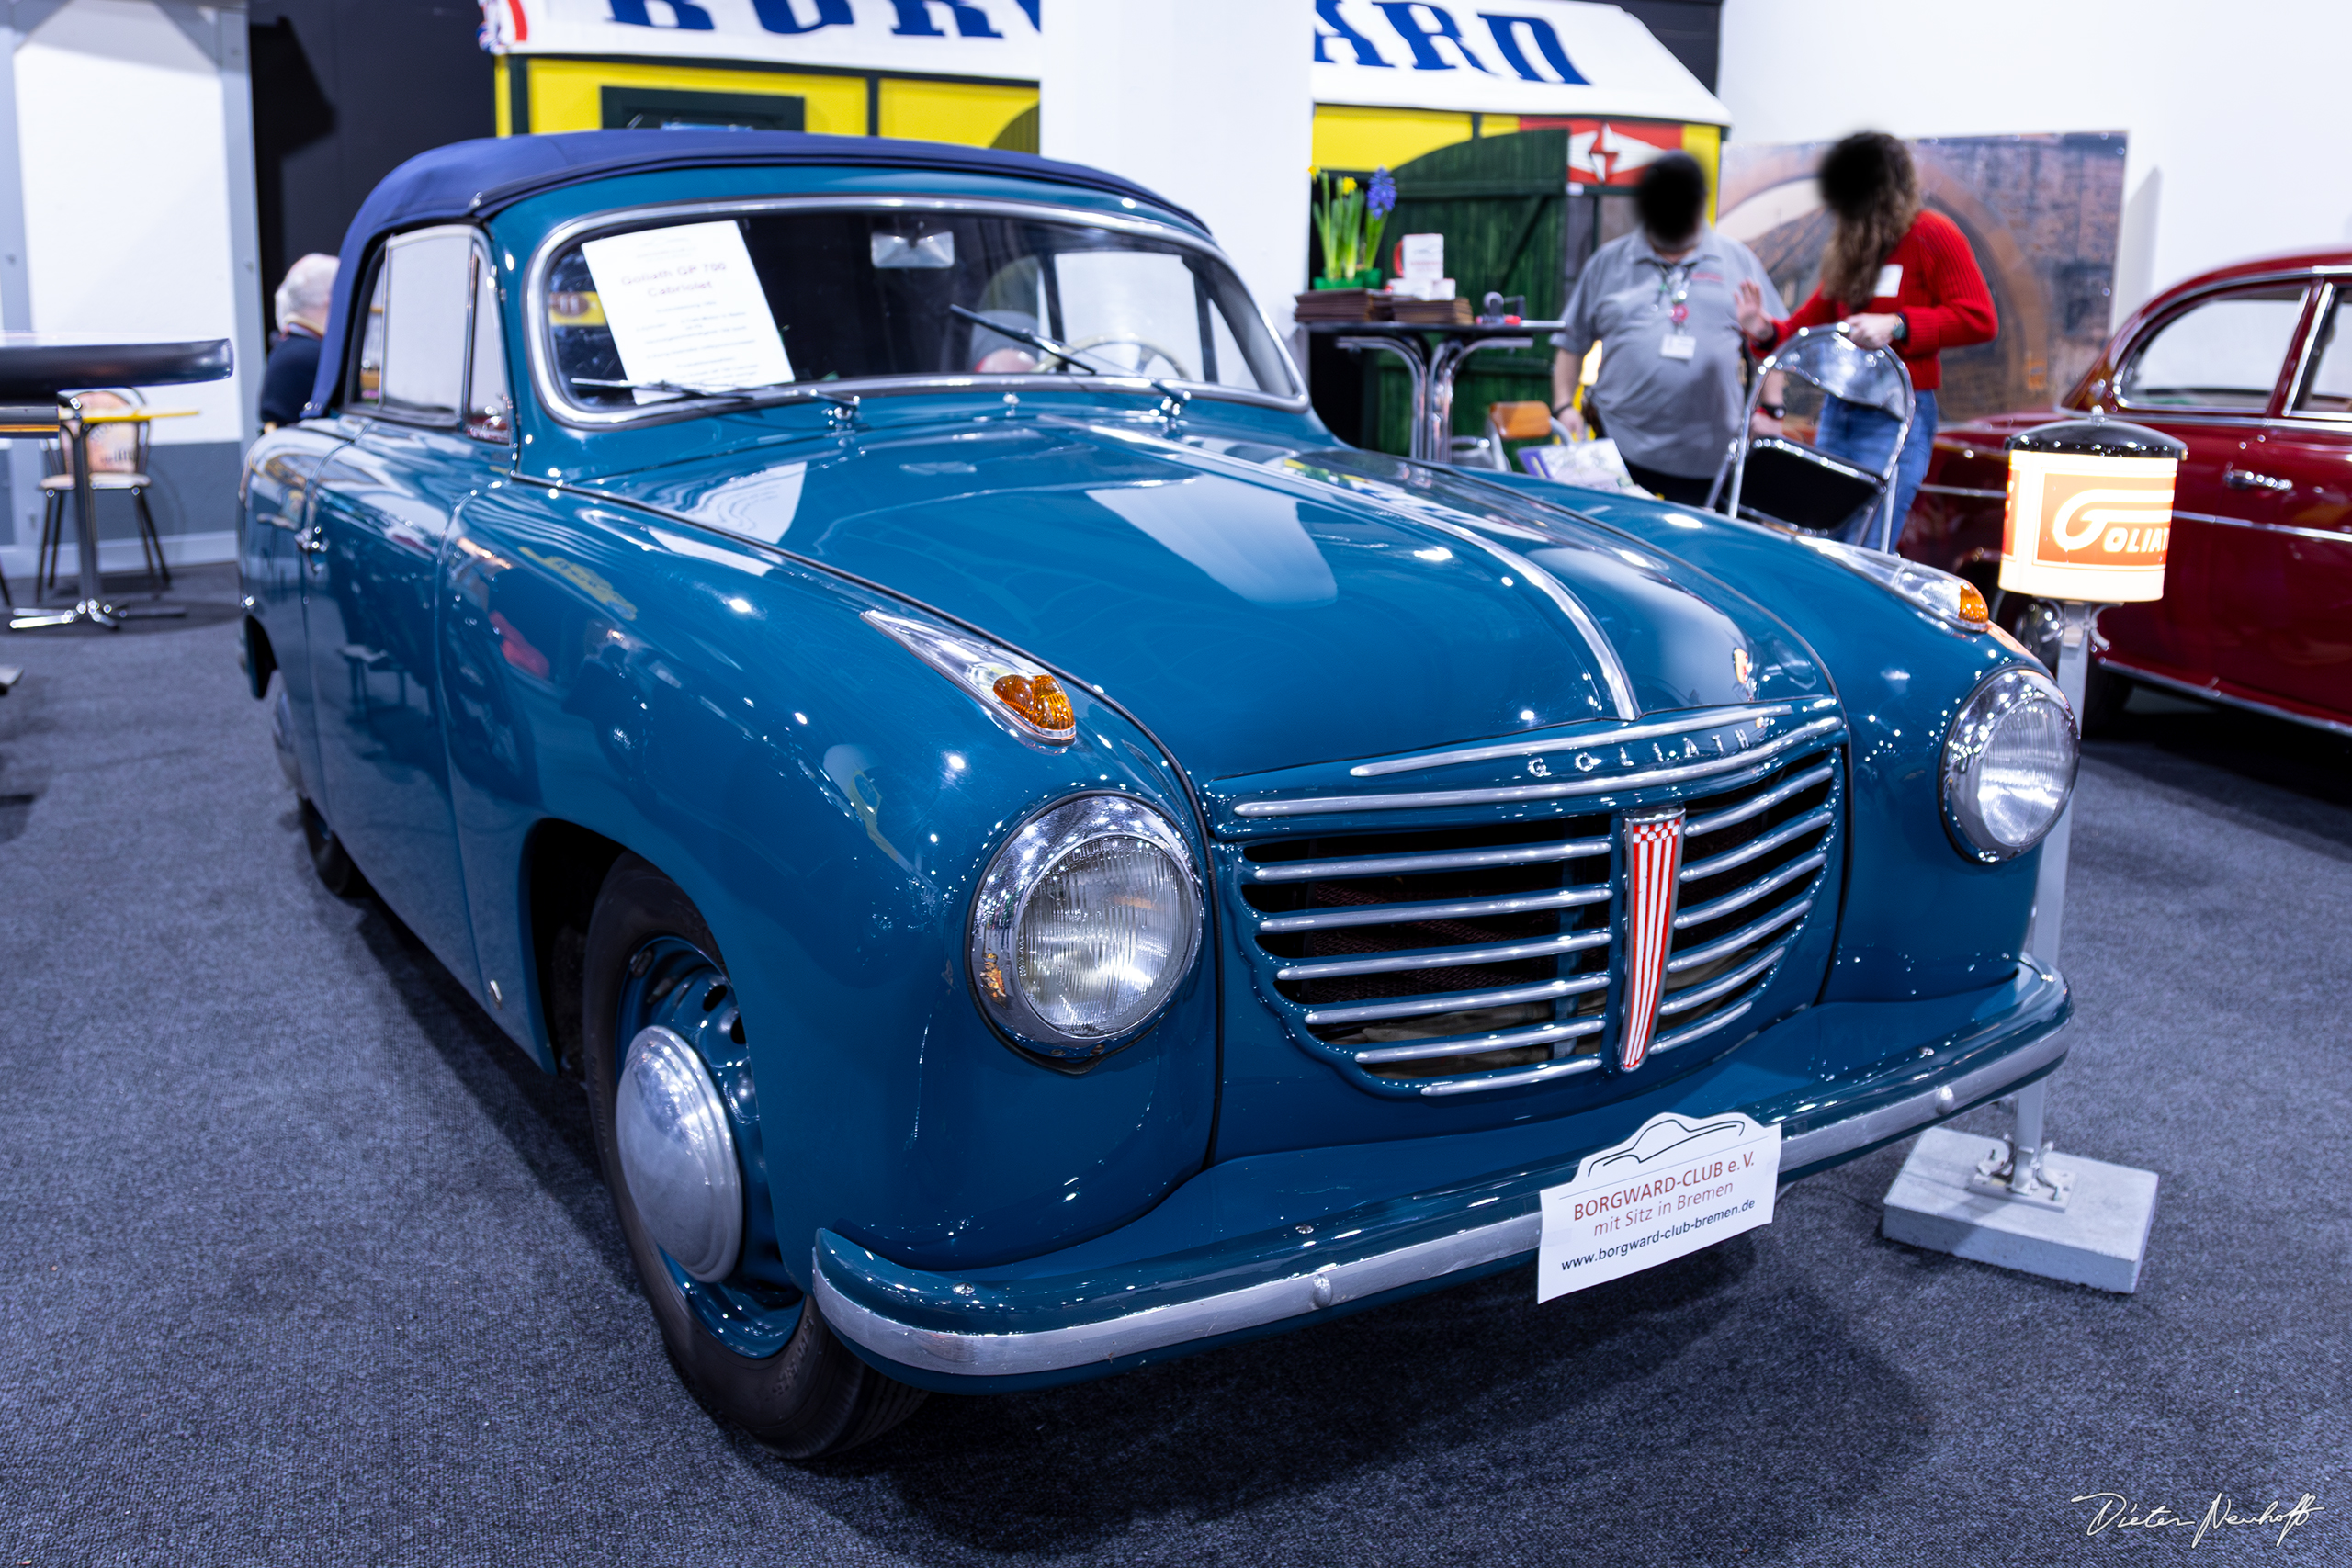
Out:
{"x": 1445, "y": 960}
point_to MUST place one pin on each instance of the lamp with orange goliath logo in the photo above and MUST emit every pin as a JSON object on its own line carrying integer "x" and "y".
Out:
{"x": 2089, "y": 511}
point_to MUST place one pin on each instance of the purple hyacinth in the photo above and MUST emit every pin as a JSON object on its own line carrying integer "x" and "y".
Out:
{"x": 1381, "y": 198}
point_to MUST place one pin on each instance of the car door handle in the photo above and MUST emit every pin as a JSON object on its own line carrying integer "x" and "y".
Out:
{"x": 2246, "y": 478}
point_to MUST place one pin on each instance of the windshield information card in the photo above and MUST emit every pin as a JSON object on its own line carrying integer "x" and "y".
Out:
{"x": 684, "y": 306}
{"x": 1678, "y": 1185}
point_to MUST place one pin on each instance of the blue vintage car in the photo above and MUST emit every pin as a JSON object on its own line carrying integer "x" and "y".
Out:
{"x": 861, "y": 652}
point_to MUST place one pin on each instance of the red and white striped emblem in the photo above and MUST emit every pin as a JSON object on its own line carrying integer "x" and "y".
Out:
{"x": 1653, "y": 878}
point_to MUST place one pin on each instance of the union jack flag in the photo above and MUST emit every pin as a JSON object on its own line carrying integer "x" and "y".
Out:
{"x": 1653, "y": 878}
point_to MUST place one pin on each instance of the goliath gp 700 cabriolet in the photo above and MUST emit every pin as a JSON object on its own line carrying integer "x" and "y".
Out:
{"x": 861, "y": 652}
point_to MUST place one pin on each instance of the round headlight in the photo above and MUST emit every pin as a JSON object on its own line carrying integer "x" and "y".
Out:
{"x": 2009, "y": 764}
{"x": 1086, "y": 922}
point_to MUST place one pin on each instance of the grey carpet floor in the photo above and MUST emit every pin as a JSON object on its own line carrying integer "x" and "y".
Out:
{"x": 300, "y": 1263}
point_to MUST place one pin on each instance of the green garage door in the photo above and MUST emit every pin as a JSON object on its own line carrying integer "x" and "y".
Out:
{"x": 1499, "y": 202}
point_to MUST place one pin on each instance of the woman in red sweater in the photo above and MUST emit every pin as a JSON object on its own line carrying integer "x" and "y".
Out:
{"x": 1892, "y": 274}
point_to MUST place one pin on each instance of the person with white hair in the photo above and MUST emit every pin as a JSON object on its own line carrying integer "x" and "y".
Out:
{"x": 302, "y": 302}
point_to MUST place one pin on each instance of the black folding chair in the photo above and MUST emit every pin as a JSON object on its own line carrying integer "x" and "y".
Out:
{"x": 1774, "y": 479}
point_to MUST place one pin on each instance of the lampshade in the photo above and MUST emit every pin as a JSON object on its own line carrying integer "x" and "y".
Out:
{"x": 2089, "y": 510}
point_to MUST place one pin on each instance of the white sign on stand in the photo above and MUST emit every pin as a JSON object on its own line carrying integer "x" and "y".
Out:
{"x": 685, "y": 306}
{"x": 1678, "y": 1185}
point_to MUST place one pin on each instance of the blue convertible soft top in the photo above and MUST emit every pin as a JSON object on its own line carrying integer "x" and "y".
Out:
{"x": 474, "y": 179}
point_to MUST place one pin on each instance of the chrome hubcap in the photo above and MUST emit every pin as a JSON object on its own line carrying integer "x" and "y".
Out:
{"x": 677, "y": 1154}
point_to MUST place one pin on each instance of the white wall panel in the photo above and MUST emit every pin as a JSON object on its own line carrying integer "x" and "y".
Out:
{"x": 2235, "y": 113}
{"x": 1207, "y": 102}
{"x": 127, "y": 196}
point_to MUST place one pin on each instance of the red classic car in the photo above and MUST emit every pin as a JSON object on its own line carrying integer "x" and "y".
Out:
{"x": 2248, "y": 364}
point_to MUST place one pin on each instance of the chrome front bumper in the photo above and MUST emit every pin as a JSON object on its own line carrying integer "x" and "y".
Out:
{"x": 945, "y": 1333}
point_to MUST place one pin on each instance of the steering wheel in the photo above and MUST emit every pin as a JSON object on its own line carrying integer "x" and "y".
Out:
{"x": 1146, "y": 356}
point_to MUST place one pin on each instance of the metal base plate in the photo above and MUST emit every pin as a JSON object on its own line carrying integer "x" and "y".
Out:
{"x": 96, "y": 612}
{"x": 1995, "y": 1174}
{"x": 2100, "y": 1239}
{"x": 91, "y": 610}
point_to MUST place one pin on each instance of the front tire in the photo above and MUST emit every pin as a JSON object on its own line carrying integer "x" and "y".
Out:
{"x": 812, "y": 1396}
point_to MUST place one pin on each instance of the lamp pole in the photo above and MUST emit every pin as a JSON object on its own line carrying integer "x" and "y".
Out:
{"x": 2089, "y": 517}
{"x": 2022, "y": 1175}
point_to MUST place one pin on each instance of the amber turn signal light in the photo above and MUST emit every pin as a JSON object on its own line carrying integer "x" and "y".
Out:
{"x": 1018, "y": 694}
{"x": 1974, "y": 611}
{"x": 1041, "y": 700}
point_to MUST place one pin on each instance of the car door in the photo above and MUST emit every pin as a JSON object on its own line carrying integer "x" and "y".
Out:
{"x": 2281, "y": 587}
{"x": 385, "y": 510}
{"x": 2209, "y": 374}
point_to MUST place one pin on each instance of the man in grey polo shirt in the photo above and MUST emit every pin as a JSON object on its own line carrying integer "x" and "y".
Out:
{"x": 1661, "y": 301}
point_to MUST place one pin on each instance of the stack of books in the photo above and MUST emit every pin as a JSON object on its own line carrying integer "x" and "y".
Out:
{"x": 1433, "y": 312}
{"x": 1341, "y": 305}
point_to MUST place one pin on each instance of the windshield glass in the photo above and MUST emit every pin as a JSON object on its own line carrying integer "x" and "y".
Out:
{"x": 703, "y": 305}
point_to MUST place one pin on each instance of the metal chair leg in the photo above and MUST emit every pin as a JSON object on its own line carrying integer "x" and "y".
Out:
{"x": 52, "y": 511}
{"x": 149, "y": 540}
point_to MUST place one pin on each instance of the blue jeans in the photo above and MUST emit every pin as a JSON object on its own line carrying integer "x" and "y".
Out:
{"x": 1863, "y": 437}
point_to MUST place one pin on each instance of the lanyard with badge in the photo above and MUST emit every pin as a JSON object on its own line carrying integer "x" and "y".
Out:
{"x": 1678, "y": 343}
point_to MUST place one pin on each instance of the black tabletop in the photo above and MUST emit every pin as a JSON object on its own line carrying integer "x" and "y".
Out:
{"x": 34, "y": 365}
{"x": 1451, "y": 329}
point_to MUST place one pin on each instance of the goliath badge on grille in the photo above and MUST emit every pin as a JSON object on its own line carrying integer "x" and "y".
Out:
{"x": 1653, "y": 876}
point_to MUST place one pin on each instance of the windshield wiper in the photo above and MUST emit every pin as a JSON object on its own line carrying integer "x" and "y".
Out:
{"x": 772, "y": 392}
{"x": 1068, "y": 356}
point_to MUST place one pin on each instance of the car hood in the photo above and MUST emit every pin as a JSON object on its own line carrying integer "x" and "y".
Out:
{"x": 1257, "y": 606}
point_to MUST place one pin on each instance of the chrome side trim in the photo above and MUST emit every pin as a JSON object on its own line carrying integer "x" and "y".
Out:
{"x": 957, "y": 1354}
{"x": 1480, "y": 1044}
{"x": 1405, "y": 914}
{"x": 1698, "y": 826}
{"x": 1796, "y": 828}
{"x": 1725, "y": 946}
{"x": 1618, "y": 784}
{"x": 553, "y": 398}
{"x": 1399, "y": 865}
{"x": 1683, "y": 1001}
{"x": 2327, "y": 535}
{"x": 1445, "y": 957}
{"x": 1458, "y": 1001}
{"x": 2203, "y": 694}
{"x": 1795, "y": 870}
{"x": 1684, "y": 1036}
{"x": 1969, "y": 490}
{"x": 1708, "y": 719}
{"x": 1567, "y": 1068}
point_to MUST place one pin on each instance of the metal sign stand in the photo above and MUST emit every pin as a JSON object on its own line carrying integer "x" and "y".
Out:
{"x": 2086, "y": 1221}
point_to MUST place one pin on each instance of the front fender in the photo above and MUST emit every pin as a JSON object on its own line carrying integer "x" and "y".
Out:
{"x": 829, "y": 803}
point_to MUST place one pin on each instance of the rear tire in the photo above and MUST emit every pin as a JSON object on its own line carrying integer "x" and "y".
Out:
{"x": 328, "y": 857}
{"x": 813, "y": 1396}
